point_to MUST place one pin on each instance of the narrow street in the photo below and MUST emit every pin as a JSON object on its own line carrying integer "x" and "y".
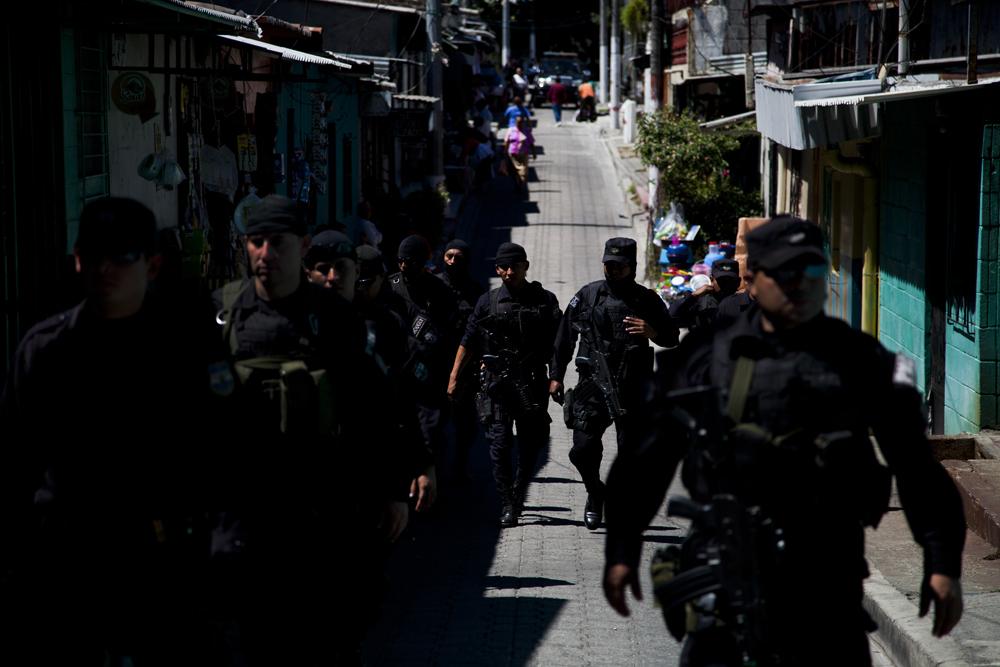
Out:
{"x": 462, "y": 590}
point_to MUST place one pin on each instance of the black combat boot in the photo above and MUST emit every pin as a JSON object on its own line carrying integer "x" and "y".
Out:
{"x": 593, "y": 512}
{"x": 508, "y": 516}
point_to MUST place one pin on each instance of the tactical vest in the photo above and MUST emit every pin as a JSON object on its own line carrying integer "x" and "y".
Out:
{"x": 630, "y": 355}
{"x": 816, "y": 455}
{"x": 520, "y": 324}
{"x": 292, "y": 391}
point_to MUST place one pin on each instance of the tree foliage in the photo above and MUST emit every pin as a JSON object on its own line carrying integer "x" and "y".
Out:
{"x": 694, "y": 171}
{"x": 635, "y": 17}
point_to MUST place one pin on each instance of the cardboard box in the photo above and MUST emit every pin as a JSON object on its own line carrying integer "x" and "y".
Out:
{"x": 745, "y": 226}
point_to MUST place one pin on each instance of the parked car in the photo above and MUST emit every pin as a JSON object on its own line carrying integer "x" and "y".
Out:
{"x": 567, "y": 67}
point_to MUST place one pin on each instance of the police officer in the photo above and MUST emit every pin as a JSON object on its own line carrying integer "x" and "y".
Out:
{"x": 734, "y": 305}
{"x": 331, "y": 261}
{"x": 615, "y": 319}
{"x": 317, "y": 480}
{"x": 701, "y": 308}
{"x": 101, "y": 484}
{"x": 799, "y": 394}
{"x": 387, "y": 342}
{"x": 430, "y": 312}
{"x": 509, "y": 337}
{"x": 467, "y": 290}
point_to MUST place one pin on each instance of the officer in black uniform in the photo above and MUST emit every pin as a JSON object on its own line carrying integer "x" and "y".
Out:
{"x": 701, "y": 308}
{"x": 734, "y": 305}
{"x": 318, "y": 480}
{"x": 109, "y": 416}
{"x": 796, "y": 397}
{"x": 467, "y": 290}
{"x": 430, "y": 312}
{"x": 615, "y": 318}
{"x": 387, "y": 342}
{"x": 509, "y": 337}
{"x": 332, "y": 261}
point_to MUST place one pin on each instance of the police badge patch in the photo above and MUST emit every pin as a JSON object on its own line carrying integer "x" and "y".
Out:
{"x": 904, "y": 372}
{"x": 220, "y": 379}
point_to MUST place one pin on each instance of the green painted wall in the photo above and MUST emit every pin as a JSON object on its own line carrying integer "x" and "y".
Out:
{"x": 971, "y": 358}
{"x": 344, "y": 112}
{"x": 903, "y": 312}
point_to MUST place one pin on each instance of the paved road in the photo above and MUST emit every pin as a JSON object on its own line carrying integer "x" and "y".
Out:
{"x": 463, "y": 592}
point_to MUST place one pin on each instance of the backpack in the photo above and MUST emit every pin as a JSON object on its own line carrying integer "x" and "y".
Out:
{"x": 293, "y": 391}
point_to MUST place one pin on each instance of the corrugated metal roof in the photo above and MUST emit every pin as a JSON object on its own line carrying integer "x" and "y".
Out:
{"x": 192, "y": 9}
{"x": 899, "y": 92}
{"x": 289, "y": 54}
{"x": 380, "y": 64}
{"x": 798, "y": 128}
{"x": 426, "y": 99}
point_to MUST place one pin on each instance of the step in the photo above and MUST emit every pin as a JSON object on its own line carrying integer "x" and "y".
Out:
{"x": 978, "y": 483}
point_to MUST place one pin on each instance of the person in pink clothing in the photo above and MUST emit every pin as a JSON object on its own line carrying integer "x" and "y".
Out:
{"x": 518, "y": 142}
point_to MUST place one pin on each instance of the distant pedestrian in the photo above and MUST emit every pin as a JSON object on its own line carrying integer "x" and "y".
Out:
{"x": 516, "y": 110}
{"x": 557, "y": 96}
{"x": 518, "y": 142}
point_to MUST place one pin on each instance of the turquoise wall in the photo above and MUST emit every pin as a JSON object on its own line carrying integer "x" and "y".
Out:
{"x": 344, "y": 111}
{"x": 903, "y": 311}
{"x": 971, "y": 359}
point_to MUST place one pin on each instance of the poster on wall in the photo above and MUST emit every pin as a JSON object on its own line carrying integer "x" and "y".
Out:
{"x": 246, "y": 150}
{"x": 319, "y": 141}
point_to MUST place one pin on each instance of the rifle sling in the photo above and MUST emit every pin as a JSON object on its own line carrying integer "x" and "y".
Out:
{"x": 739, "y": 389}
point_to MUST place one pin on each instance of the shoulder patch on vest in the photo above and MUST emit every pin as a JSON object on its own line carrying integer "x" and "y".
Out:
{"x": 220, "y": 379}
{"x": 574, "y": 301}
{"x": 904, "y": 372}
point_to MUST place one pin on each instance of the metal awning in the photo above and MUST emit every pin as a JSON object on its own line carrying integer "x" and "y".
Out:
{"x": 423, "y": 99}
{"x": 381, "y": 65}
{"x": 290, "y": 54}
{"x": 380, "y": 82}
{"x": 243, "y": 23}
{"x": 897, "y": 92}
{"x": 798, "y": 128}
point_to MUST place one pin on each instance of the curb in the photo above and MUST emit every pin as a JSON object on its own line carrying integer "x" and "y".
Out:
{"x": 622, "y": 174}
{"x": 906, "y": 637}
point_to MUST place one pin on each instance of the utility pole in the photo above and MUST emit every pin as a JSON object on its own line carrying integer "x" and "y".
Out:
{"x": 655, "y": 95}
{"x": 437, "y": 87}
{"x": 532, "y": 38}
{"x": 603, "y": 85}
{"x": 655, "y": 53}
{"x": 904, "y": 36}
{"x": 748, "y": 67}
{"x": 616, "y": 66}
{"x": 505, "y": 53}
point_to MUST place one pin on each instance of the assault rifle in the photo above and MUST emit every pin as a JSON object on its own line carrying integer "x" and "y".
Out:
{"x": 597, "y": 368}
{"x": 723, "y": 569}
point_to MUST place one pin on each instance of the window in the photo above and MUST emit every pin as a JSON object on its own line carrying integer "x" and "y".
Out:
{"x": 92, "y": 114}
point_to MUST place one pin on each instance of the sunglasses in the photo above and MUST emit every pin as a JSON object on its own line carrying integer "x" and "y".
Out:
{"x": 790, "y": 274}
{"x": 323, "y": 267}
{"x": 125, "y": 258}
{"x": 505, "y": 266}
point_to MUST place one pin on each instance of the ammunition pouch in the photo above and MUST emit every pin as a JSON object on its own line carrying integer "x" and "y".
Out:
{"x": 569, "y": 415}
{"x": 484, "y": 408}
{"x": 298, "y": 400}
{"x": 665, "y": 570}
{"x": 587, "y": 411}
